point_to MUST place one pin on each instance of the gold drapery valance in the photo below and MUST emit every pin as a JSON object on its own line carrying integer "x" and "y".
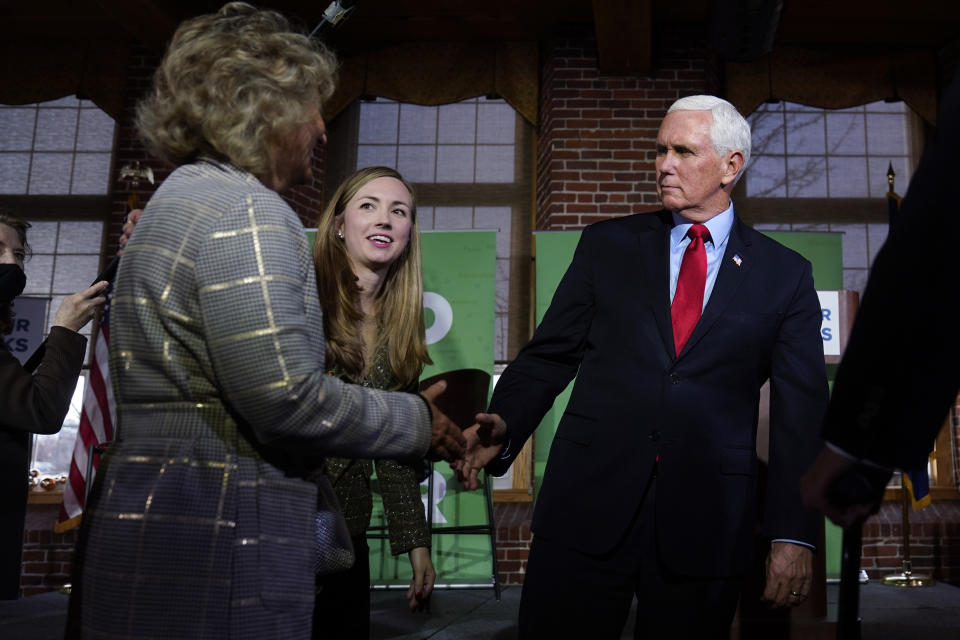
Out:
{"x": 41, "y": 69}
{"x": 835, "y": 78}
{"x": 441, "y": 73}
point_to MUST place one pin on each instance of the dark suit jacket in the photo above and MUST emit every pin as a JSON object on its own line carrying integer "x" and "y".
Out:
{"x": 30, "y": 404}
{"x": 634, "y": 398}
{"x": 901, "y": 369}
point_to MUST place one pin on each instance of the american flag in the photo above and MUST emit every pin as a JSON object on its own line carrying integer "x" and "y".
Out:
{"x": 97, "y": 418}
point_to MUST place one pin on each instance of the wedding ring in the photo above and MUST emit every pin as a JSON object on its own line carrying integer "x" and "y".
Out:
{"x": 795, "y": 594}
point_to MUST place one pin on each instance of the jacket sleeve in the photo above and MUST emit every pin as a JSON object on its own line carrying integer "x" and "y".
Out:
{"x": 38, "y": 403}
{"x": 798, "y": 401}
{"x": 545, "y": 366}
{"x": 406, "y": 520}
{"x": 253, "y": 278}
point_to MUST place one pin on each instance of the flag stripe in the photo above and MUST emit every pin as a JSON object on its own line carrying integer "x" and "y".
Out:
{"x": 94, "y": 403}
{"x": 97, "y": 418}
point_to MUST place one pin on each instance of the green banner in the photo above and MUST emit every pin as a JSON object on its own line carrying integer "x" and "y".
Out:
{"x": 823, "y": 249}
{"x": 459, "y": 282}
{"x": 554, "y": 251}
{"x": 459, "y": 279}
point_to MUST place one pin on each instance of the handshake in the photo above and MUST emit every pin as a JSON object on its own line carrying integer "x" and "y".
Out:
{"x": 467, "y": 451}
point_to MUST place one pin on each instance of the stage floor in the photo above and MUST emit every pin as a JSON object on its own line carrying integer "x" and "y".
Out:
{"x": 888, "y": 613}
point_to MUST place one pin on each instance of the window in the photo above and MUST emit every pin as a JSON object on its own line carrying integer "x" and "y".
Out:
{"x": 468, "y": 142}
{"x": 826, "y": 170}
{"x": 51, "y": 454}
{"x": 66, "y": 259}
{"x": 55, "y": 162}
{"x": 471, "y": 165}
{"x": 61, "y": 147}
{"x": 815, "y": 169}
{"x": 806, "y": 152}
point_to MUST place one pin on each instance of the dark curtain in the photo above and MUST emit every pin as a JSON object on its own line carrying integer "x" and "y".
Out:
{"x": 40, "y": 69}
{"x": 441, "y": 73}
{"x": 835, "y": 78}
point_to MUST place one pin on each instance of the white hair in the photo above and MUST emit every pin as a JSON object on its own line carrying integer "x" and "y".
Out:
{"x": 729, "y": 130}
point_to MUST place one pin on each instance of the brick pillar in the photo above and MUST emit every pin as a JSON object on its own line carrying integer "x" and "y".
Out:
{"x": 596, "y": 147}
{"x": 140, "y": 68}
{"x": 513, "y": 540}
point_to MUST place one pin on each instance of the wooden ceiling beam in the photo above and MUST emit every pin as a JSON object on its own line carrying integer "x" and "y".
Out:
{"x": 624, "y": 30}
{"x": 149, "y": 21}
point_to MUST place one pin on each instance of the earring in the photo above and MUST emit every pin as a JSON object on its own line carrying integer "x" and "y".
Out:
{"x": 339, "y": 234}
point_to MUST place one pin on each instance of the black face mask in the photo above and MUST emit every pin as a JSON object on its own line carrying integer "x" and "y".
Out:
{"x": 12, "y": 282}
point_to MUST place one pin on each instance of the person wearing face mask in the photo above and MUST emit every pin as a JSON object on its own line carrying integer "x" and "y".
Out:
{"x": 32, "y": 402}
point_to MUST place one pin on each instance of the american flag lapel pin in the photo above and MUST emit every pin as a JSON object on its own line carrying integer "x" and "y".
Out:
{"x": 737, "y": 259}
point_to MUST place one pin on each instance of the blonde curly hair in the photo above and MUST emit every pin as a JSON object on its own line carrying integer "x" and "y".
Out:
{"x": 234, "y": 85}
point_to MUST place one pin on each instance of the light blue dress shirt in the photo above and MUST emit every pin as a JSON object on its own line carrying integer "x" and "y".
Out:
{"x": 719, "y": 227}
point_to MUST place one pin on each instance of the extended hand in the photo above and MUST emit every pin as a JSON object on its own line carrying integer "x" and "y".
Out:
{"x": 78, "y": 309}
{"x": 789, "y": 567}
{"x": 128, "y": 226}
{"x": 484, "y": 443}
{"x": 424, "y": 575}
{"x": 446, "y": 442}
{"x": 822, "y": 488}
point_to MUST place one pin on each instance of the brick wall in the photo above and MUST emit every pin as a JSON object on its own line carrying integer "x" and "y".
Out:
{"x": 596, "y": 145}
{"x": 934, "y": 541}
{"x": 129, "y": 148}
{"x": 47, "y": 556}
{"x": 513, "y": 539}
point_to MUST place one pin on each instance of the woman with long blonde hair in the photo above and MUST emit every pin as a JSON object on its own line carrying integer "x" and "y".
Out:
{"x": 367, "y": 257}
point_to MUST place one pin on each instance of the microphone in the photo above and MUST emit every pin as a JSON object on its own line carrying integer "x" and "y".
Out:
{"x": 333, "y": 14}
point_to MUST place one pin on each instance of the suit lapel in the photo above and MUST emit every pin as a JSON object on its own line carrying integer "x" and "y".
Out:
{"x": 734, "y": 266}
{"x": 655, "y": 265}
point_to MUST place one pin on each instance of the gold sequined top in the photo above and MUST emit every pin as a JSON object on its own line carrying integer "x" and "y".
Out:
{"x": 399, "y": 483}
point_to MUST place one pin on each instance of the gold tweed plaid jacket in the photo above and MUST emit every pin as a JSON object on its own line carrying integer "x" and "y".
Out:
{"x": 201, "y": 520}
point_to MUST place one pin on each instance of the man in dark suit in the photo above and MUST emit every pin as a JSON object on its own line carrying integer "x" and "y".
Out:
{"x": 651, "y": 484}
{"x": 900, "y": 373}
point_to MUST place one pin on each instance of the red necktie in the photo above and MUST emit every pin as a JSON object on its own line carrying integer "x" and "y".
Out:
{"x": 688, "y": 299}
